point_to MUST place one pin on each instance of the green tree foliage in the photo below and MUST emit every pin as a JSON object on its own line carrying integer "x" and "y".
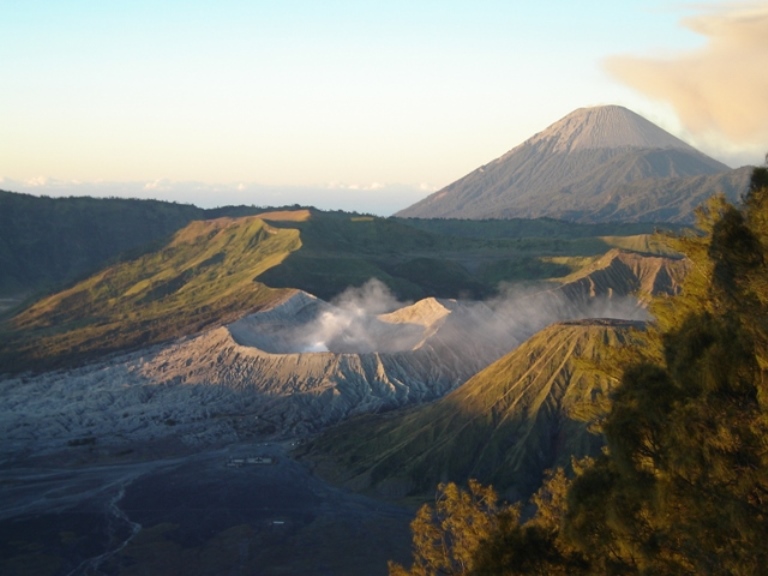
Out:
{"x": 470, "y": 532}
{"x": 682, "y": 487}
{"x": 446, "y": 537}
{"x": 535, "y": 546}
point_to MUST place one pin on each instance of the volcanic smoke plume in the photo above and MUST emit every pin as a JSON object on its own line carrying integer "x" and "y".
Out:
{"x": 369, "y": 319}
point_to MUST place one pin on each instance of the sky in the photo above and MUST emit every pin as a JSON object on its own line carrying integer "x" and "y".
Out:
{"x": 360, "y": 105}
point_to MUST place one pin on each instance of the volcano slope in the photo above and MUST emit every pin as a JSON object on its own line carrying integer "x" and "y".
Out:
{"x": 300, "y": 364}
{"x": 46, "y": 241}
{"x": 622, "y": 273}
{"x": 204, "y": 275}
{"x": 289, "y": 370}
{"x": 596, "y": 164}
{"x": 520, "y": 416}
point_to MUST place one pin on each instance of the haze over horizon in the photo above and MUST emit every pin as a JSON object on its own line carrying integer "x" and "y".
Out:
{"x": 357, "y": 106}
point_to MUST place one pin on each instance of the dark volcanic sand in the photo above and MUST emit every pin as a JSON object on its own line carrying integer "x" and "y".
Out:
{"x": 198, "y": 517}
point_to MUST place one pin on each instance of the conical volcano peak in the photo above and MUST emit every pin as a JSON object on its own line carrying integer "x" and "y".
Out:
{"x": 594, "y": 165}
{"x": 605, "y": 127}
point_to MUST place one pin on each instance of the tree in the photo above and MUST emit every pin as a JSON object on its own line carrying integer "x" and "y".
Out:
{"x": 534, "y": 547}
{"x": 683, "y": 488}
{"x": 447, "y": 536}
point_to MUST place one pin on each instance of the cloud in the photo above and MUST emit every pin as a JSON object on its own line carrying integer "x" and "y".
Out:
{"x": 375, "y": 197}
{"x": 349, "y": 323}
{"x": 39, "y": 181}
{"x": 373, "y": 186}
{"x": 158, "y": 185}
{"x": 719, "y": 89}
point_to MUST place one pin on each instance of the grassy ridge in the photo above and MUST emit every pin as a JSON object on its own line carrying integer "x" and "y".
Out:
{"x": 45, "y": 242}
{"x": 526, "y": 228}
{"x": 419, "y": 258}
{"x": 204, "y": 275}
{"x": 341, "y": 250}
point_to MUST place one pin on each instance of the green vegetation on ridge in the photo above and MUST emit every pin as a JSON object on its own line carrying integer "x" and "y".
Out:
{"x": 204, "y": 275}
{"x": 45, "y": 242}
{"x": 450, "y": 259}
{"x": 505, "y": 426}
{"x": 529, "y": 228}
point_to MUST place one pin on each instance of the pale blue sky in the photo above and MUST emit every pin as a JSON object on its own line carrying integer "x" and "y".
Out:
{"x": 349, "y": 101}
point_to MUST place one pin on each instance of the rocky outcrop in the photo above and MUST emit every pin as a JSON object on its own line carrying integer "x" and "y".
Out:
{"x": 621, "y": 273}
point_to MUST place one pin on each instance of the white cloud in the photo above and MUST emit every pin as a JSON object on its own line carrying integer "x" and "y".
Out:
{"x": 719, "y": 90}
{"x": 375, "y": 198}
{"x": 39, "y": 181}
{"x": 363, "y": 187}
{"x": 160, "y": 185}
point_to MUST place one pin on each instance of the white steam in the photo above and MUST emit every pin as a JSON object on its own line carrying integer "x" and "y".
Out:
{"x": 351, "y": 324}
{"x": 370, "y": 319}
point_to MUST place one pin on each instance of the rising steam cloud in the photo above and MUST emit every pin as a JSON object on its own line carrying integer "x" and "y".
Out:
{"x": 349, "y": 324}
{"x": 720, "y": 89}
{"x": 353, "y": 322}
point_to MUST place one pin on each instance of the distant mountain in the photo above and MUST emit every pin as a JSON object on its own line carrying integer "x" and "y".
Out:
{"x": 522, "y": 415}
{"x": 594, "y": 165}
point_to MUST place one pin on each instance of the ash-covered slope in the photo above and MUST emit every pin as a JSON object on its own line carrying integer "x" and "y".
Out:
{"x": 508, "y": 424}
{"x": 288, "y": 370}
{"x": 606, "y": 127}
{"x": 622, "y": 273}
{"x": 579, "y": 168}
{"x": 302, "y": 363}
{"x": 292, "y": 369}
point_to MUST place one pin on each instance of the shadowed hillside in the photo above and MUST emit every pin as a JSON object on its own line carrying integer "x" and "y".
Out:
{"x": 621, "y": 273}
{"x": 528, "y": 227}
{"x": 446, "y": 259}
{"x": 45, "y": 242}
{"x": 505, "y": 426}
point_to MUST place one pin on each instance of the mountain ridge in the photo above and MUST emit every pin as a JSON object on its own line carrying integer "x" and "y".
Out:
{"x": 49, "y": 242}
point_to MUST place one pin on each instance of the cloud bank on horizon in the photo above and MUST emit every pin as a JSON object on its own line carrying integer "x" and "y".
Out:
{"x": 364, "y": 107}
{"x": 719, "y": 90}
{"x": 376, "y": 198}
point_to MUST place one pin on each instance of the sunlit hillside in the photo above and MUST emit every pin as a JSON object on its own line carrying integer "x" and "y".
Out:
{"x": 505, "y": 426}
